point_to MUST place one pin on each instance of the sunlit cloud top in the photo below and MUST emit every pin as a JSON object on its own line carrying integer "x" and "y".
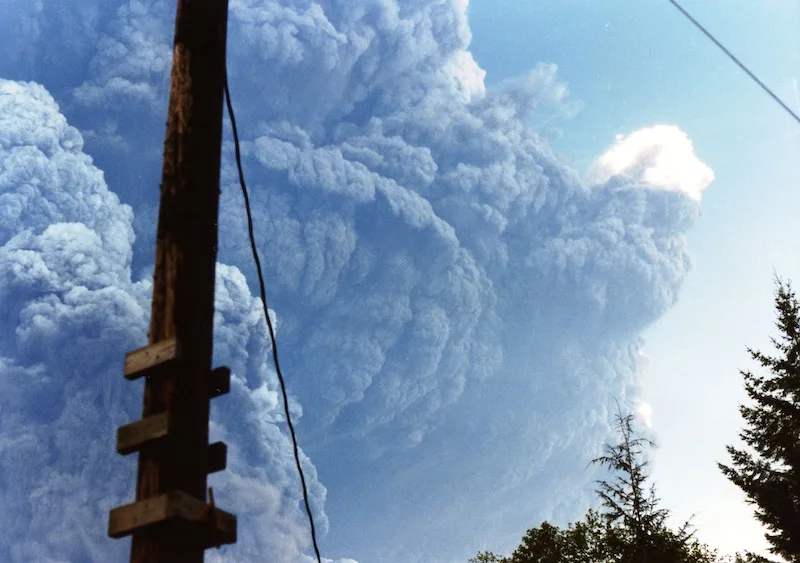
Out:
{"x": 662, "y": 156}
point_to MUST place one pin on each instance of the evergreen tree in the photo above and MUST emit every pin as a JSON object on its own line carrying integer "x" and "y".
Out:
{"x": 632, "y": 530}
{"x": 639, "y": 533}
{"x": 769, "y": 470}
{"x": 592, "y": 540}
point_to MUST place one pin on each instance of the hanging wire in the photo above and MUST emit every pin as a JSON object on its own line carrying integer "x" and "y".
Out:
{"x": 741, "y": 65}
{"x": 269, "y": 321}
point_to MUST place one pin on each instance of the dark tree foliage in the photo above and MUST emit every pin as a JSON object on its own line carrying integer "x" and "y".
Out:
{"x": 488, "y": 557}
{"x": 632, "y": 529}
{"x": 626, "y": 499}
{"x": 769, "y": 470}
{"x": 637, "y": 531}
{"x": 747, "y": 558}
{"x": 579, "y": 542}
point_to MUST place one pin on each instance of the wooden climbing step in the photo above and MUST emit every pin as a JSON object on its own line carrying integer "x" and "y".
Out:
{"x": 152, "y": 360}
{"x": 159, "y": 358}
{"x": 132, "y": 437}
{"x": 177, "y": 513}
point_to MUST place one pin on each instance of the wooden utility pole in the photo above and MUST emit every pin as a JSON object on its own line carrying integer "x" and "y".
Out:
{"x": 171, "y": 522}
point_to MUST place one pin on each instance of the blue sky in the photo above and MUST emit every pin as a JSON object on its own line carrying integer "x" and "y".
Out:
{"x": 482, "y": 222}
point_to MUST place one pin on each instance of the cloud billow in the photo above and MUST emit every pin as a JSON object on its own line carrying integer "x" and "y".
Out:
{"x": 70, "y": 310}
{"x": 456, "y": 306}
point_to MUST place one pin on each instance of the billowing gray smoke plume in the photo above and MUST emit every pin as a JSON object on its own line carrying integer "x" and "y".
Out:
{"x": 69, "y": 311}
{"x": 456, "y": 306}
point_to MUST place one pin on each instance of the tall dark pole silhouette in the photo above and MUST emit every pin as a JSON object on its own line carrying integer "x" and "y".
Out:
{"x": 171, "y": 520}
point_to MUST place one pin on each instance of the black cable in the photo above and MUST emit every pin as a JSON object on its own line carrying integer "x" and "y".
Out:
{"x": 737, "y": 61}
{"x": 266, "y": 314}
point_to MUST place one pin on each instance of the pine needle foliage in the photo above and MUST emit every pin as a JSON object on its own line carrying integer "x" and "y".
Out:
{"x": 637, "y": 525}
{"x": 632, "y": 528}
{"x": 768, "y": 469}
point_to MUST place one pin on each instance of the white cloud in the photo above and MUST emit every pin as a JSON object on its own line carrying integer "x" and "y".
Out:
{"x": 644, "y": 411}
{"x": 464, "y": 74}
{"x": 661, "y": 156}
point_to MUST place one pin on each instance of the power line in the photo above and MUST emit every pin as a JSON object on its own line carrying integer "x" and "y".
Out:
{"x": 737, "y": 61}
{"x": 266, "y": 315}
